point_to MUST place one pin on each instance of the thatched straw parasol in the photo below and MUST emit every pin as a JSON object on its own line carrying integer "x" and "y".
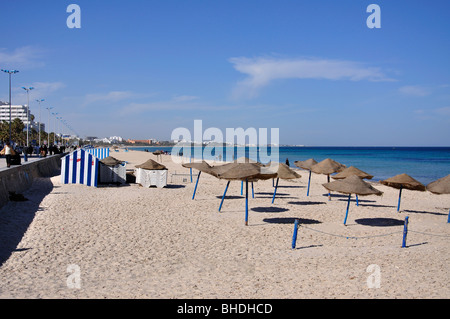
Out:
{"x": 244, "y": 172}
{"x": 151, "y": 165}
{"x": 283, "y": 172}
{"x": 352, "y": 185}
{"x": 327, "y": 167}
{"x": 441, "y": 186}
{"x": 349, "y": 171}
{"x": 307, "y": 166}
{"x": 110, "y": 161}
{"x": 201, "y": 167}
{"x": 158, "y": 154}
{"x": 403, "y": 181}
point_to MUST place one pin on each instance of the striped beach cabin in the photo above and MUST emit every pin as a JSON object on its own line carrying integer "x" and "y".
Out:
{"x": 100, "y": 153}
{"x": 80, "y": 167}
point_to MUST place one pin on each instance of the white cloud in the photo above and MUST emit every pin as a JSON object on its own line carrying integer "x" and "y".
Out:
{"x": 175, "y": 104}
{"x": 181, "y": 98}
{"x": 41, "y": 90}
{"x": 443, "y": 111}
{"x": 414, "y": 90}
{"x": 113, "y": 96}
{"x": 23, "y": 57}
{"x": 261, "y": 71}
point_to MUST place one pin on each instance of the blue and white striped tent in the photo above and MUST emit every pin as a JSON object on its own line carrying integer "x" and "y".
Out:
{"x": 100, "y": 153}
{"x": 79, "y": 167}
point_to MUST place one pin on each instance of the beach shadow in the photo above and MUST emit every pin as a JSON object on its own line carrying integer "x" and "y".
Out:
{"x": 306, "y": 203}
{"x": 380, "y": 222}
{"x": 359, "y": 200}
{"x": 113, "y": 184}
{"x": 377, "y": 205}
{"x": 419, "y": 244}
{"x": 310, "y": 246}
{"x": 269, "y": 209}
{"x": 423, "y": 212}
{"x": 336, "y": 195}
{"x": 290, "y": 220}
{"x": 290, "y": 186}
{"x": 16, "y": 217}
{"x": 231, "y": 197}
{"x": 174, "y": 186}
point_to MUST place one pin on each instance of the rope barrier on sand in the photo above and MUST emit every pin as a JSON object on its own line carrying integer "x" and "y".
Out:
{"x": 350, "y": 237}
{"x": 404, "y": 231}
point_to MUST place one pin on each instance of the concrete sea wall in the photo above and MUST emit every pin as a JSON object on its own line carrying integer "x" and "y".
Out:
{"x": 19, "y": 178}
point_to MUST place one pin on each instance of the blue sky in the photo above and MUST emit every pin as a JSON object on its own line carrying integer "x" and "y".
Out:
{"x": 141, "y": 68}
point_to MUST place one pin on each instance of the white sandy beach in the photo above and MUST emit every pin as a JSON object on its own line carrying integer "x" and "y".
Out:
{"x": 135, "y": 242}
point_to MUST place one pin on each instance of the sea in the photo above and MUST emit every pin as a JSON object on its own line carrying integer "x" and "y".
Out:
{"x": 425, "y": 164}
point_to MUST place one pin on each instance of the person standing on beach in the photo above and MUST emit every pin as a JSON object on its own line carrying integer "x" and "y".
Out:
{"x": 8, "y": 151}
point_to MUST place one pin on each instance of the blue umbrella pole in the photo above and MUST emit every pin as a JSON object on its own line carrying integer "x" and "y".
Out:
{"x": 399, "y": 199}
{"x": 357, "y": 201}
{"x": 309, "y": 183}
{"x": 329, "y": 194}
{"x": 246, "y": 202}
{"x": 242, "y": 187}
{"x": 190, "y": 161}
{"x": 223, "y": 197}
{"x": 275, "y": 191}
{"x": 348, "y": 206}
{"x": 448, "y": 219}
{"x": 294, "y": 235}
{"x": 405, "y": 232}
{"x": 196, "y": 183}
{"x": 253, "y": 191}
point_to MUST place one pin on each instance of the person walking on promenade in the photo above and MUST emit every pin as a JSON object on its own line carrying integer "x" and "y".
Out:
{"x": 8, "y": 151}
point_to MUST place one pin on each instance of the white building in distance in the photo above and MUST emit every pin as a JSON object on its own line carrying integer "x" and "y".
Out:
{"x": 21, "y": 112}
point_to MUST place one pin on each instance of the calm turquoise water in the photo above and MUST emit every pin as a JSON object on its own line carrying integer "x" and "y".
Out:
{"x": 425, "y": 164}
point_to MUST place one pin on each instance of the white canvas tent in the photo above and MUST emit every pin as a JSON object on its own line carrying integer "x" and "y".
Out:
{"x": 112, "y": 170}
{"x": 151, "y": 173}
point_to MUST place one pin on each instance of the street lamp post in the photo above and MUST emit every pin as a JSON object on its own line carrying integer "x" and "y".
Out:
{"x": 39, "y": 101}
{"x": 10, "y": 72}
{"x": 59, "y": 123}
{"x": 54, "y": 135}
{"x": 48, "y": 128}
{"x": 28, "y": 111}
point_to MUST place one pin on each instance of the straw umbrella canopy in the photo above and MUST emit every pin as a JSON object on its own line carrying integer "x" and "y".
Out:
{"x": 244, "y": 172}
{"x": 327, "y": 167}
{"x": 158, "y": 154}
{"x": 402, "y": 181}
{"x": 151, "y": 165}
{"x": 220, "y": 169}
{"x": 349, "y": 171}
{"x": 283, "y": 172}
{"x": 352, "y": 185}
{"x": 201, "y": 167}
{"x": 110, "y": 161}
{"x": 306, "y": 165}
{"x": 441, "y": 186}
